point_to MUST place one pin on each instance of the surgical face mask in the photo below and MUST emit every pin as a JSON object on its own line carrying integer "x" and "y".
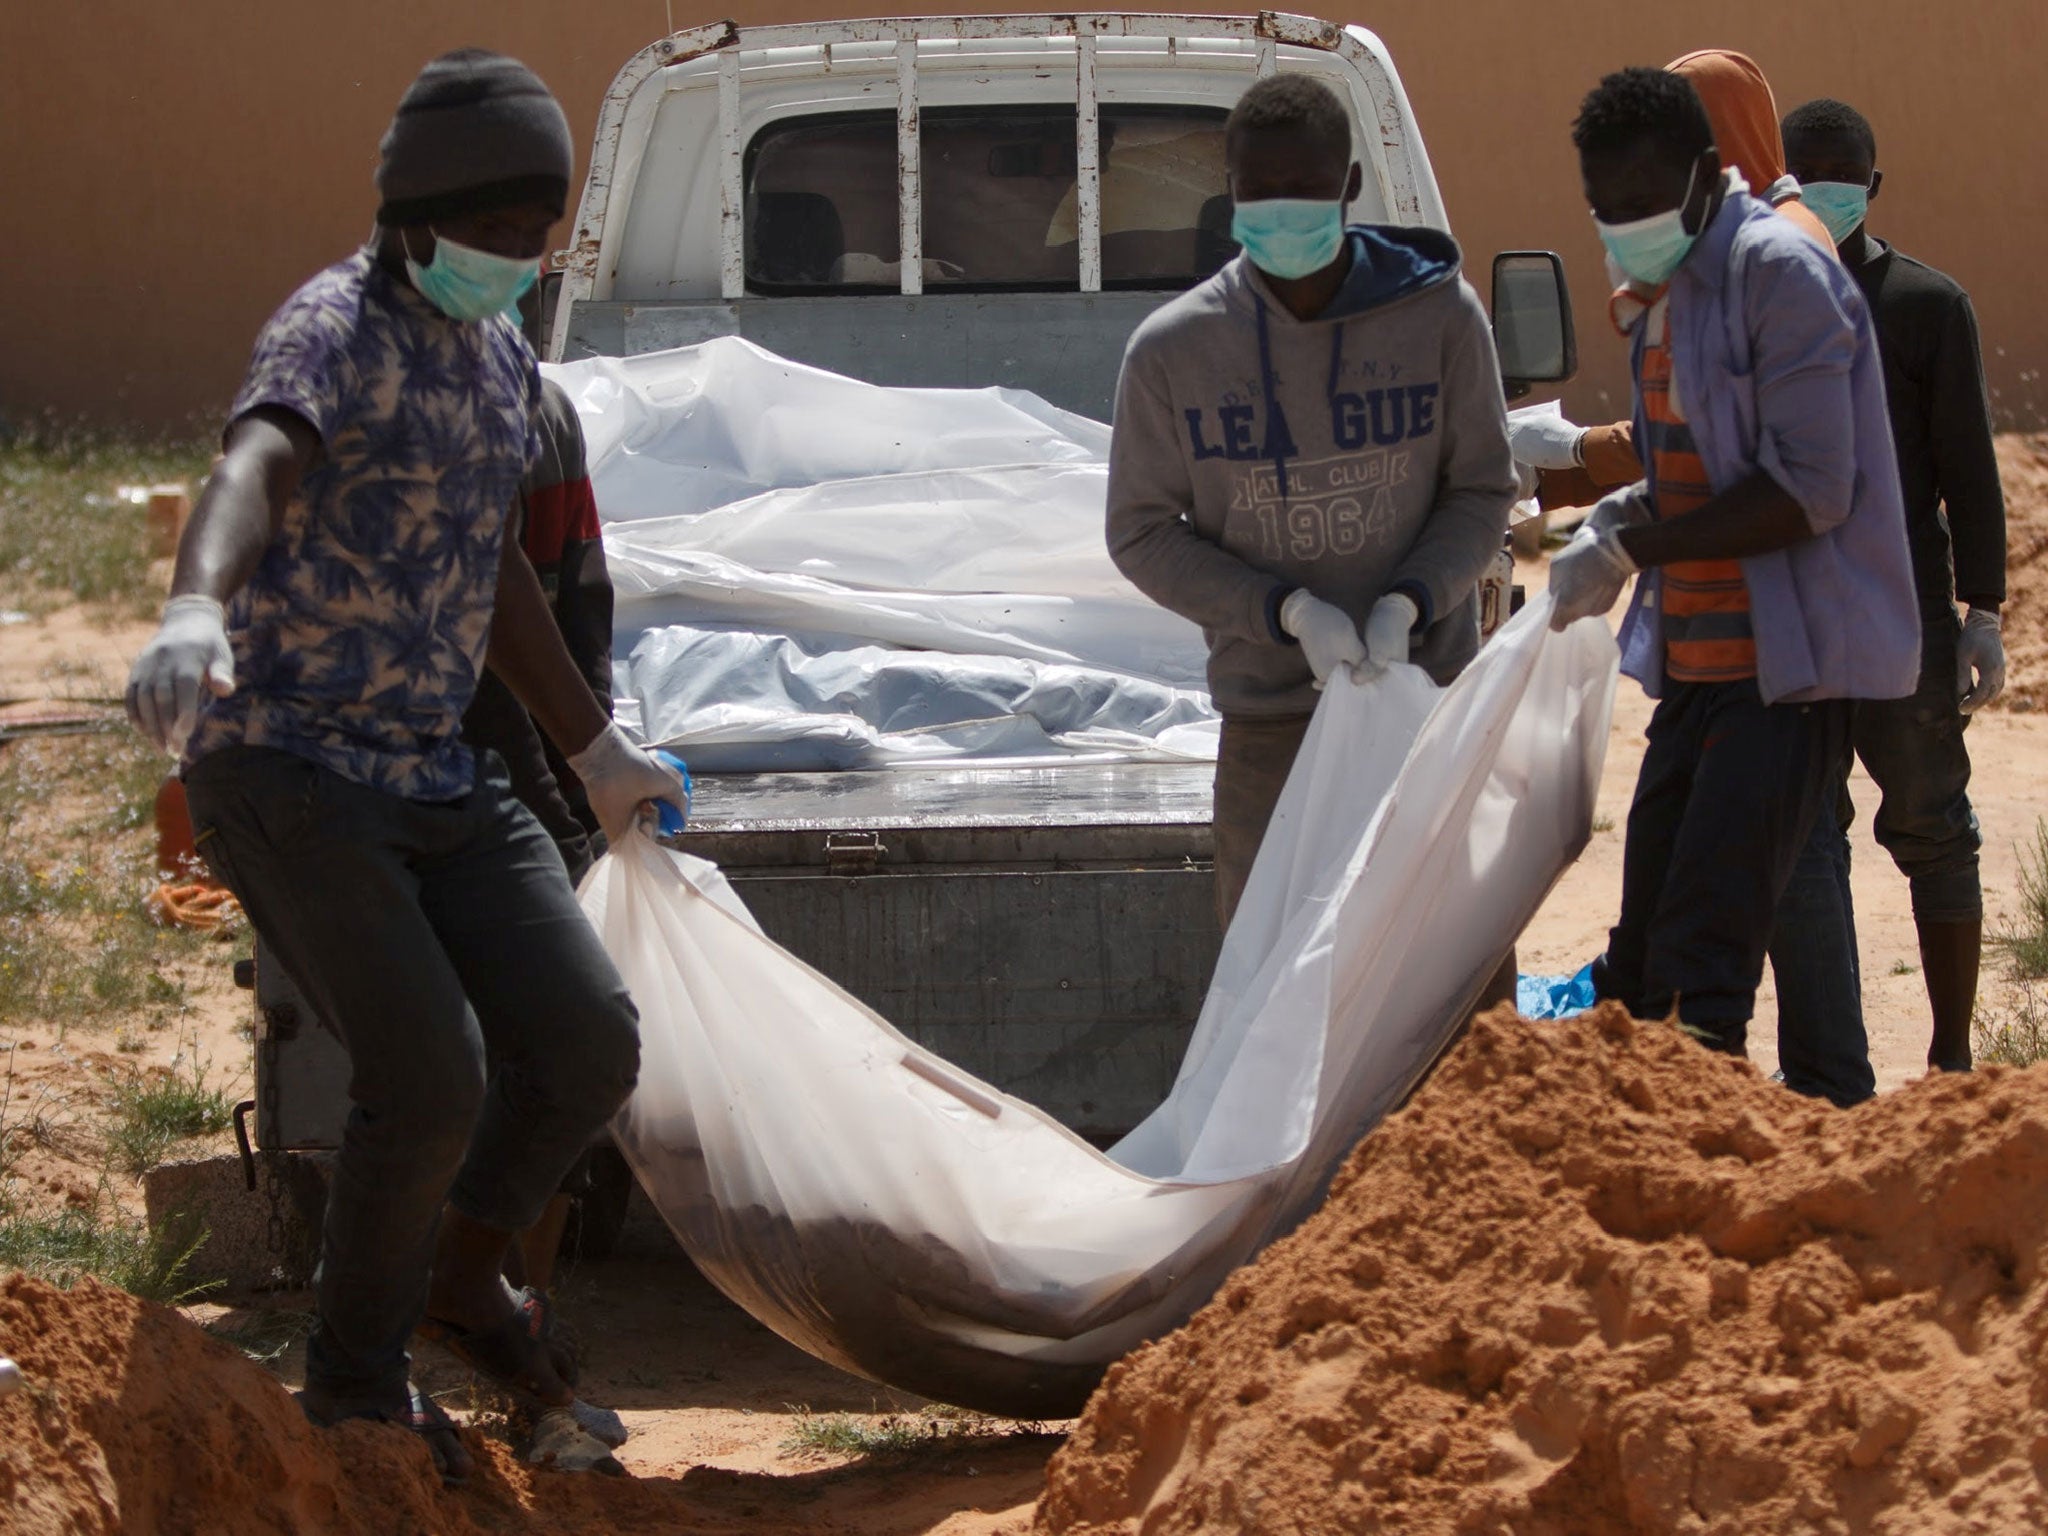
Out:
{"x": 1289, "y": 237}
{"x": 1650, "y": 250}
{"x": 1839, "y": 205}
{"x": 467, "y": 284}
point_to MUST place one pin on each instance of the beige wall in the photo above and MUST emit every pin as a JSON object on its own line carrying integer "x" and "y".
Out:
{"x": 172, "y": 171}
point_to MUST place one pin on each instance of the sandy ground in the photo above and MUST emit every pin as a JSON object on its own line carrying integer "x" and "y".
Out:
{"x": 710, "y": 1395}
{"x": 68, "y": 654}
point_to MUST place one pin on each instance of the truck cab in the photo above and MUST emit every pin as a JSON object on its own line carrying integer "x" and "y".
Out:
{"x": 964, "y": 200}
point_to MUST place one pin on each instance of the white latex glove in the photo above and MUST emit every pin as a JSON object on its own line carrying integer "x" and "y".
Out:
{"x": 189, "y": 653}
{"x": 1389, "y": 628}
{"x": 1328, "y": 637}
{"x": 1980, "y": 651}
{"x": 1527, "y": 484}
{"x": 1587, "y": 575}
{"x": 1548, "y": 442}
{"x": 621, "y": 780}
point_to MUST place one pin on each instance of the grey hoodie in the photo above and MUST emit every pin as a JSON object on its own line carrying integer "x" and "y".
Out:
{"x": 1385, "y": 467}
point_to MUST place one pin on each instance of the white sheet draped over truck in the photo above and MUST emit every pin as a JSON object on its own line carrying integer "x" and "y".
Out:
{"x": 814, "y": 572}
{"x": 880, "y": 1208}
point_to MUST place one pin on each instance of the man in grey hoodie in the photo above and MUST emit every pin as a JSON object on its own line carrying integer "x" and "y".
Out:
{"x": 1311, "y": 441}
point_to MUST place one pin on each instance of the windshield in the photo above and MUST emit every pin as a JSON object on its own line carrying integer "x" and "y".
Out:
{"x": 1000, "y": 200}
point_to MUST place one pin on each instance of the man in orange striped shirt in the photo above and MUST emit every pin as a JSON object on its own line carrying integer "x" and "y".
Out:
{"x": 1776, "y": 583}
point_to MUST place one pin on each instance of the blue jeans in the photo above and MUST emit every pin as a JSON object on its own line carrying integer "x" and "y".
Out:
{"x": 424, "y": 933}
{"x": 1725, "y": 800}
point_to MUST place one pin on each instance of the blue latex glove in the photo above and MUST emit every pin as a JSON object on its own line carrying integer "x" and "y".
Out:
{"x": 670, "y": 819}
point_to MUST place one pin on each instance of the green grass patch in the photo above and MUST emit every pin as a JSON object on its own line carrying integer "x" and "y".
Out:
{"x": 2024, "y": 937}
{"x": 64, "y": 531}
{"x": 64, "y": 1241}
{"x": 2013, "y": 1034}
{"x": 850, "y": 1434}
{"x": 846, "y": 1434}
{"x": 153, "y": 1111}
{"x": 75, "y": 864}
{"x": 65, "y": 1244}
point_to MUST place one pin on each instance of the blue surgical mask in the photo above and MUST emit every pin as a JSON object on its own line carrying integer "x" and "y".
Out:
{"x": 1650, "y": 250}
{"x": 1839, "y": 205}
{"x": 467, "y": 284}
{"x": 1289, "y": 237}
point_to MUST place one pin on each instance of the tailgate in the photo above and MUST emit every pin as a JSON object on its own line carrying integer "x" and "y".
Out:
{"x": 1052, "y": 930}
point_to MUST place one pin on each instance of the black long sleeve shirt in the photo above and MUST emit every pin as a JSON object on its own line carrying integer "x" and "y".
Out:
{"x": 1941, "y": 424}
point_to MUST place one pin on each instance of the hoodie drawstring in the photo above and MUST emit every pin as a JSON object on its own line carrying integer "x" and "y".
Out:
{"x": 1267, "y": 384}
{"x": 1276, "y": 439}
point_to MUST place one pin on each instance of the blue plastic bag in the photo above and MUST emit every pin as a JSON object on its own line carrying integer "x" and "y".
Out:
{"x": 1555, "y": 997}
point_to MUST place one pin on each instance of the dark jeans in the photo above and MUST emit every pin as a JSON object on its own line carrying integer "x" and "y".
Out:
{"x": 1916, "y": 755}
{"x": 1822, "y": 1048}
{"x": 423, "y": 933}
{"x": 1914, "y": 750}
{"x": 1725, "y": 799}
{"x": 497, "y": 722}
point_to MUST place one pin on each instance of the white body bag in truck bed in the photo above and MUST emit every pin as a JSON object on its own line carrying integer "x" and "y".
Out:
{"x": 818, "y": 573}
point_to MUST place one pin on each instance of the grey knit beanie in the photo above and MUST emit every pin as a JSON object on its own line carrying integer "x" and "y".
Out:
{"x": 475, "y": 131}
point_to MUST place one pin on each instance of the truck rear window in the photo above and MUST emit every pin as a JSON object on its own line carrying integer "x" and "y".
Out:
{"x": 1001, "y": 207}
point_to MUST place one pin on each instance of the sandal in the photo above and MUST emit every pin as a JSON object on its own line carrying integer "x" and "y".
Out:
{"x": 421, "y": 1415}
{"x": 510, "y": 1352}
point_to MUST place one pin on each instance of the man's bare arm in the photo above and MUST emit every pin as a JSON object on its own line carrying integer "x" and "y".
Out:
{"x": 242, "y": 507}
{"x": 1754, "y": 516}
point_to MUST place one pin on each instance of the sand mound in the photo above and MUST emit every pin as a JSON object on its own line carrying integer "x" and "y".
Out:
{"x": 136, "y": 1422}
{"x": 2023, "y": 468}
{"x": 1595, "y": 1280}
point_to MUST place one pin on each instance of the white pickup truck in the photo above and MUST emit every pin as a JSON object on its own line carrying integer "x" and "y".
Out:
{"x": 956, "y": 201}
{"x": 975, "y": 200}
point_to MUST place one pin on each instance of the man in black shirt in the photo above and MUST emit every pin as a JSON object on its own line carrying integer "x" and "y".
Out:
{"x": 1941, "y": 425}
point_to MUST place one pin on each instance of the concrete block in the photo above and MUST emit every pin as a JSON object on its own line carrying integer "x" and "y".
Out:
{"x": 236, "y": 1251}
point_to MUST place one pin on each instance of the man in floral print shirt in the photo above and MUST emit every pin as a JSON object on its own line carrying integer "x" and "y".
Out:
{"x": 331, "y": 612}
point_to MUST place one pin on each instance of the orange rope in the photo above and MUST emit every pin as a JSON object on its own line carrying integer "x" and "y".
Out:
{"x": 199, "y": 905}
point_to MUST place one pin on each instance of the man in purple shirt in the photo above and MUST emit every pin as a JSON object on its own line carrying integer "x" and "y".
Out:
{"x": 1772, "y": 368}
{"x": 331, "y": 612}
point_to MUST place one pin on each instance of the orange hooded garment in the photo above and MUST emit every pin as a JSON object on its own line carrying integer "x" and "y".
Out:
{"x": 1744, "y": 115}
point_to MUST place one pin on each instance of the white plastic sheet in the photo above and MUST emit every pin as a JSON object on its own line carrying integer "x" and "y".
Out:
{"x": 772, "y": 529}
{"x": 878, "y": 1207}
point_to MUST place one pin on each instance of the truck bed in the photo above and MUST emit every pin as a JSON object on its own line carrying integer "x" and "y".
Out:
{"x": 1051, "y": 930}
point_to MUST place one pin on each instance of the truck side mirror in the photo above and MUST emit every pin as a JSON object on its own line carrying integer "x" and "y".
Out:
{"x": 1532, "y": 321}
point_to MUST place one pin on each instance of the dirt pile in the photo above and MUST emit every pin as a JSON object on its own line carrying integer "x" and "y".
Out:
{"x": 133, "y": 1421}
{"x": 1594, "y": 1281}
{"x": 2023, "y": 468}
